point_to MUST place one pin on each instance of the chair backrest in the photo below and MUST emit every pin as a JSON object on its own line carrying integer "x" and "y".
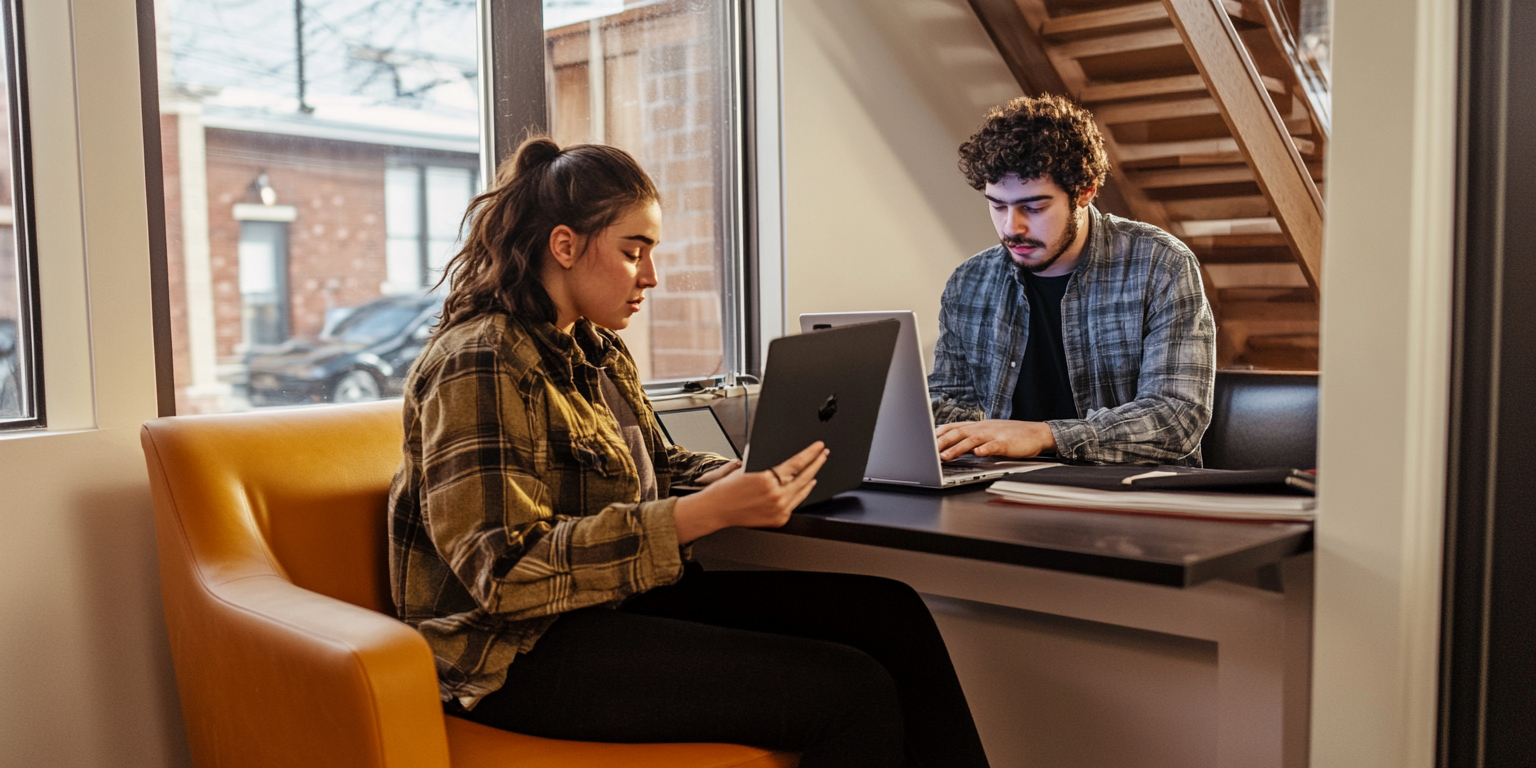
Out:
{"x": 269, "y": 524}
{"x": 1262, "y": 419}
{"x": 309, "y": 487}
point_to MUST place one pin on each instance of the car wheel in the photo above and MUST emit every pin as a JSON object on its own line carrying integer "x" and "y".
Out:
{"x": 355, "y": 387}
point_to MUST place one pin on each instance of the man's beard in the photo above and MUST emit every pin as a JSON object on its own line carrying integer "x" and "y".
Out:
{"x": 1067, "y": 238}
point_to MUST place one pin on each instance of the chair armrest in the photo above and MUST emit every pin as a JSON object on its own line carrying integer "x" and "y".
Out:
{"x": 319, "y": 681}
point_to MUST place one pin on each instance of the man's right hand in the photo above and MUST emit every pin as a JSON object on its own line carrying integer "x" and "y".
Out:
{"x": 750, "y": 499}
{"x": 994, "y": 437}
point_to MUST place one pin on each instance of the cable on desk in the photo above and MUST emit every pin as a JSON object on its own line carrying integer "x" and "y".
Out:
{"x": 746, "y": 403}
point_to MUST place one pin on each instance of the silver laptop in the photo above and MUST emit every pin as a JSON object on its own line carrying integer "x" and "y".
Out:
{"x": 905, "y": 451}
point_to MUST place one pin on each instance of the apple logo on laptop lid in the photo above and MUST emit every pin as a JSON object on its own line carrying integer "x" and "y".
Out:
{"x": 828, "y": 409}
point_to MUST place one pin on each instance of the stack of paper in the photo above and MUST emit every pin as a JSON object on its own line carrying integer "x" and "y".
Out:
{"x": 1227, "y": 506}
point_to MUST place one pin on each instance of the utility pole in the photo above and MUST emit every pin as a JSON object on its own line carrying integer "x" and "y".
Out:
{"x": 298, "y": 48}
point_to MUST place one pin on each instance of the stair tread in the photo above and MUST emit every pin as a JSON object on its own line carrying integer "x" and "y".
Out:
{"x": 1191, "y": 177}
{"x": 1234, "y": 207}
{"x": 1265, "y": 294}
{"x": 1215, "y": 227}
{"x": 1122, "y": 16}
{"x": 1195, "y": 148}
{"x": 1267, "y": 311}
{"x": 1123, "y": 43}
{"x": 1283, "y": 341}
{"x": 1138, "y": 111}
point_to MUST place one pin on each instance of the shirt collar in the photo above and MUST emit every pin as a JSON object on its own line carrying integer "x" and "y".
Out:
{"x": 585, "y": 344}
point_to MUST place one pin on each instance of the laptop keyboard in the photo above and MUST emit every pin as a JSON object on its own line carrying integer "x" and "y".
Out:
{"x": 965, "y": 465}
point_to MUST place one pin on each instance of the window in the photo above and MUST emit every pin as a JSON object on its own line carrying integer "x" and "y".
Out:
{"x": 20, "y": 389}
{"x": 658, "y": 79}
{"x": 263, "y": 257}
{"x": 319, "y": 156}
{"x": 423, "y": 208}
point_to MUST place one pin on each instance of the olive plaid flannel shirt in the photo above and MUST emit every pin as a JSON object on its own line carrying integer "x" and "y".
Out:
{"x": 1138, "y": 334}
{"x": 517, "y": 498}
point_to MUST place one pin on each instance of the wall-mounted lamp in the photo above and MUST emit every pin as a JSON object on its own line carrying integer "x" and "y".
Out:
{"x": 264, "y": 189}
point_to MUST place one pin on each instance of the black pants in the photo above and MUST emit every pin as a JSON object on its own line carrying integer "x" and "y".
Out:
{"x": 848, "y": 670}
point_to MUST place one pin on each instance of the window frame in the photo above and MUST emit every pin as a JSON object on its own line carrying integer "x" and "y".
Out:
{"x": 515, "y": 100}
{"x": 29, "y": 343}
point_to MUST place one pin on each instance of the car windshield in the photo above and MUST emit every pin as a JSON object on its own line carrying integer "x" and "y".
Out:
{"x": 375, "y": 323}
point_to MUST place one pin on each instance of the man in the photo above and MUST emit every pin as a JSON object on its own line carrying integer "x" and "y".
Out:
{"x": 1081, "y": 333}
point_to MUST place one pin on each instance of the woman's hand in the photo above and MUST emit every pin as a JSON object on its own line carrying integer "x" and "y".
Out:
{"x": 749, "y": 499}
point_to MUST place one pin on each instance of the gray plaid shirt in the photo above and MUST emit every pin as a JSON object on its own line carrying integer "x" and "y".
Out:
{"x": 1139, "y": 338}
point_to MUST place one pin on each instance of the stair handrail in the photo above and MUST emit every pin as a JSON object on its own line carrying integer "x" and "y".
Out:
{"x": 1310, "y": 71}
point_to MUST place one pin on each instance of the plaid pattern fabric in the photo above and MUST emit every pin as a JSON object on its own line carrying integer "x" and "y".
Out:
{"x": 1139, "y": 338}
{"x": 517, "y": 498}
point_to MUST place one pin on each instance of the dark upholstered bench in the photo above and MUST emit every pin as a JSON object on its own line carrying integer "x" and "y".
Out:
{"x": 1262, "y": 419}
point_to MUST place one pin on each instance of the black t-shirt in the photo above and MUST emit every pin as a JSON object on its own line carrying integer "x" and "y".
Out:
{"x": 1044, "y": 392}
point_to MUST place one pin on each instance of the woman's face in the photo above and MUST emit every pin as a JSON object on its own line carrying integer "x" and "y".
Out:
{"x": 608, "y": 280}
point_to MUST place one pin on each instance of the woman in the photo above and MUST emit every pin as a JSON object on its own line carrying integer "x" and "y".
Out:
{"x": 534, "y": 544}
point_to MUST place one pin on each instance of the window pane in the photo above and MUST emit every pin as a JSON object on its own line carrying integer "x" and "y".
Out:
{"x": 649, "y": 78}
{"x": 448, "y": 193}
{"x": 305, "y": 161}
{"x": 18, "y": 375}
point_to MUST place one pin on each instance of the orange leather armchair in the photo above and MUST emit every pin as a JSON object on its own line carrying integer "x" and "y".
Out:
{"x": 272, "y": 537}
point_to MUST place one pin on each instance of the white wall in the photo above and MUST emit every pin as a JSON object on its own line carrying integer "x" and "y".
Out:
{"x": 83, "y": 660}
{"x": 1387, "y": 277}
{"x": 878, "y": 96}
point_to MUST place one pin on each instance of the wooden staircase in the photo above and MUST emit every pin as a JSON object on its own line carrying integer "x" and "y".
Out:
{"x": 1216, "y": 132}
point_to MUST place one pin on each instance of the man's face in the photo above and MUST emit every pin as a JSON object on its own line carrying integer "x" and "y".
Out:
{"x": 1036, "y": 221}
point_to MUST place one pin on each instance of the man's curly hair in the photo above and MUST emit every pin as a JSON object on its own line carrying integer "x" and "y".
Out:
{"x": 1033, "y": 137}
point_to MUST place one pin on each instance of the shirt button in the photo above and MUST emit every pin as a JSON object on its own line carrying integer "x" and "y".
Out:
{"x": 1013, "y": 365}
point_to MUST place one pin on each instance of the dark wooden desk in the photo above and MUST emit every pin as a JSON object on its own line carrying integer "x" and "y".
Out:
{"x": 968, "y": 523}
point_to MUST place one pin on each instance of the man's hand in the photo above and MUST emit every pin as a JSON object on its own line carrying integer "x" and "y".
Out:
{"x": 718, "y": 472}
{"x": 994, "y": 437}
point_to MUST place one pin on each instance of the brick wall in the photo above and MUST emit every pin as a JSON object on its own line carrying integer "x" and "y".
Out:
{"x": 335, "y": 244}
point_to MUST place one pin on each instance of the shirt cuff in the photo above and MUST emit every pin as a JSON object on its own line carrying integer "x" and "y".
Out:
{"x": 1074, "y": 438}
{"x": 663, "y": 557}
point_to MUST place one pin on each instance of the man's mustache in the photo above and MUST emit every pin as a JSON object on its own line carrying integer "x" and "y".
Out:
{"x": 1017, "y": 240}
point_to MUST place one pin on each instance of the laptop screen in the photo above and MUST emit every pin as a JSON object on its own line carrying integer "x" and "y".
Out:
{"x": 697, "y": 429}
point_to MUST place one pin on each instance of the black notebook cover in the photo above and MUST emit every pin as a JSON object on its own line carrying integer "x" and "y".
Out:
{"x": 1278, "y": 480}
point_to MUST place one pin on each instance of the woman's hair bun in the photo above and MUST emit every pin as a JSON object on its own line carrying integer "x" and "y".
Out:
{"x": 535, "y": 153}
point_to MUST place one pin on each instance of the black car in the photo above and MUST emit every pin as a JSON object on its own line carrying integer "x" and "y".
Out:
{"x": 364, "y": 357}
